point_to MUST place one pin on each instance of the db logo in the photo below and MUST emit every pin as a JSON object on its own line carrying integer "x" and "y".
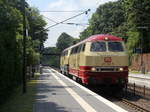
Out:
{"x": 107, "y": 59}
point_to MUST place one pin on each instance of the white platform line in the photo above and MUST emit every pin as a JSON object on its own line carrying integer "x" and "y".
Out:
{"x": 80, "y": 100}
{"x": 105, "y": 101}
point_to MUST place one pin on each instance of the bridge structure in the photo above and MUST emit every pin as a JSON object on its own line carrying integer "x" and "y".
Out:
{"x": 51, "y": 54}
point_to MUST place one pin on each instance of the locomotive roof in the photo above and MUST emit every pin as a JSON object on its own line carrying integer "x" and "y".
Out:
{"x": 98, "y": 37}
{"x": 102, "y": 37}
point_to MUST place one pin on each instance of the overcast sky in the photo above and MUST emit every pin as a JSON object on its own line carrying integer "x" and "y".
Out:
{"x": 65, "y": 5}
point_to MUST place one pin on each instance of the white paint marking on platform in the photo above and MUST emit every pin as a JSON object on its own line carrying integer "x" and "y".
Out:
{"x": 82, "y": 102}
{"x": 105, "y": 101}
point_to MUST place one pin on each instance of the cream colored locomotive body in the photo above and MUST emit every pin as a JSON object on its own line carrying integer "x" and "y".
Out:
{"x": 96, "y": 67}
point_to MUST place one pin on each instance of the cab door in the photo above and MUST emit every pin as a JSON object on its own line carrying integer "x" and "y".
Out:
{"x": 80, "y": 54}
{"x": 80, "y": 57}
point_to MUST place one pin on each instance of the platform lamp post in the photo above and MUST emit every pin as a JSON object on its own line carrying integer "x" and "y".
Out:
{"x": 24, "y": 49}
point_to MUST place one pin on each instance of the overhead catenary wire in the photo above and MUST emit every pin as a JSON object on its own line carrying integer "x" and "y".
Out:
{"x": 50, "y": 19}
{"x": 64, "y": 11}
{"x": 69, "y": 18}
{"x": 83, "y": 24}
{"x": 85, "y": 12}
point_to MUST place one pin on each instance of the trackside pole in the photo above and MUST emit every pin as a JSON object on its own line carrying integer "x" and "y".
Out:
{"x": 126, "y": 90}
{"x": 134, "y": 89}
{"x": 24, "y": 49}
{"x": 144, "y": 90}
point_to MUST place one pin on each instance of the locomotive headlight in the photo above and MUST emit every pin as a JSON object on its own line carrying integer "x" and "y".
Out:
{"x": 121, "y": 69}
{"x": 93, "y": 69}
{"x": 106, "y": 38}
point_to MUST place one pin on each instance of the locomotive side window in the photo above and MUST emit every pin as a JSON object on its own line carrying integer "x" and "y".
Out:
{"x": 115, "y": 46}
{"x": 83, "y": 47}
{"x": 76, "y": 49}
{"x": 72, "y": 51}
{"x": 66, "y": 53}
{"x": 79, "y": 48}
{"x": 98, "y": 47}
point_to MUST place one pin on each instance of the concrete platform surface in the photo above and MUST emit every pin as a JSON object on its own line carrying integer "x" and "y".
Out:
{"x": 58, "y": 93}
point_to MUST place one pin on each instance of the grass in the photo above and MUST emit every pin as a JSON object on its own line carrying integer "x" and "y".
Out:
{"x": 20, "y": 102}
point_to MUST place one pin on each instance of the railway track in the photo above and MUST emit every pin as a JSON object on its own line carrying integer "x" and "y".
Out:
{"x": 132, "y": 105}
{"x": 136, "y": 107}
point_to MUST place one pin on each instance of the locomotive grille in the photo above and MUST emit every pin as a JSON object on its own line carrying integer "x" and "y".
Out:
{"x": 106, "y": 69}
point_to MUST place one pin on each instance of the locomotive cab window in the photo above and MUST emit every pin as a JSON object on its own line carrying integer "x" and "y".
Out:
{"x": 115, "y": 46}
{"x": 98, "y": 47}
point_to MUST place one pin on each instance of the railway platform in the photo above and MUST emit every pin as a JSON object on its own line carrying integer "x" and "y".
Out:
{"x": 140, "y": 79}
{"x": 57, "y": 93}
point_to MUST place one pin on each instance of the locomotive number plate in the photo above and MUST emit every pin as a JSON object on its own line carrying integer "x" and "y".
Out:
{"x": 107, "y": 59}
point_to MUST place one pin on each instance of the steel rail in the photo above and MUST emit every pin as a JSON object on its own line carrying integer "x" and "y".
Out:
{"x": 137, "y": 107}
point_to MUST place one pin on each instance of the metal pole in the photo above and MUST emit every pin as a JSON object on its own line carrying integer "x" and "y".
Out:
{"x": 142, "y": 61}
{"x": 144, "y": 90}
{"x": 126, "y": 86}
{"x": 134, "y": 89}
{"x": 24, "y": 48}
{"x": 41, "y": 58}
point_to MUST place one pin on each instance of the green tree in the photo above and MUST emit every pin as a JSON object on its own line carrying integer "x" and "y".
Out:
{"x": 108, "y": 18}
{"x": 128, "y": 19}
{"x": 10, "y": 36}
{"x": 64, "y": 41}
{"x": 37, "y": 33}
{"x": 137, "y": 15}
{"x": 11, "y": 26}
{"x": 36, "y": 25}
